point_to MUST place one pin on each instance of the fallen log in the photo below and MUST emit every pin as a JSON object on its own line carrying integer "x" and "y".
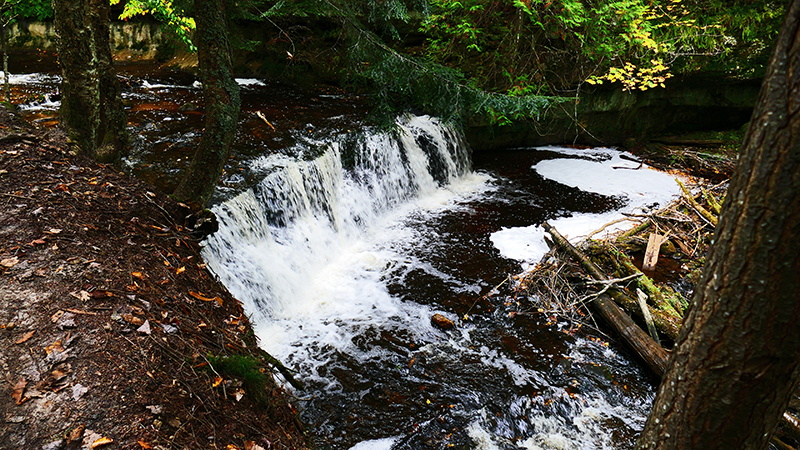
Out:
{"x": 656, "y": 358}
{"x": 649, "y": 350}
{"x": 670, "y": 304}
{"x": 666, "y": 318}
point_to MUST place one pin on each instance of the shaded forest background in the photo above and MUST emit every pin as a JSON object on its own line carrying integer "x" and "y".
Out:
{"x": 474, "y": 61}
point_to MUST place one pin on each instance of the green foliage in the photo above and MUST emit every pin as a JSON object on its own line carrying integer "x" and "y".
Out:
{"x": 444, "y": 92}
{"x": 398, "y": 81}
{"x": 638, "y": 43}
{"x": 174, "y": 19}
{"x": 31, "y": 9}
{"x": 452, "y": 21}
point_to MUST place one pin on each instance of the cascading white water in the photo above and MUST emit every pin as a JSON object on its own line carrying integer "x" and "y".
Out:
{"x": 277, "y": 236}
{"x": 312, "y": 251}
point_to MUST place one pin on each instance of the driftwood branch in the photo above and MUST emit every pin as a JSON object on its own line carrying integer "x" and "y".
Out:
{"x": 700, "y": 210}
{"x": 261, "y": 116}
{"x": 648, "y": 318}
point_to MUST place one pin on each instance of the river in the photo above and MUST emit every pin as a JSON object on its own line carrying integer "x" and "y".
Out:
{"x": 343, "y": 241}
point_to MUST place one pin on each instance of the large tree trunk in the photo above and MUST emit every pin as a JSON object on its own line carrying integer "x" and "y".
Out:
{"x": 738, "y": 356}
{"x": 222, "y": 104}
{"x": 91, "y": 104}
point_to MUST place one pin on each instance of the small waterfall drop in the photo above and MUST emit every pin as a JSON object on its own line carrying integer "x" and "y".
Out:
{"x": 275, "y": 236}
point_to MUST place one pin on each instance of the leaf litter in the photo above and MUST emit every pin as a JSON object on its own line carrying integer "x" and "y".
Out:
{"x": 97, "y": 320}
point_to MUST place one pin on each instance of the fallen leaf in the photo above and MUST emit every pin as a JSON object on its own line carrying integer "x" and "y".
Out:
{"x": 133, "y": 320}
{"x": 250, "y": 445}
{"x": 180, "y": 270}
{"x": 217, "y": 381}
{"x": 38, "y": 242}
{"x": 9, "y": 262}
{"x": 145, "y": 328}
{"x": 54, "y": 318}
{"x": 101, "y": 294}
{"x": 76, "y": 434}
{"x": 78, "y": 390}
{"x": 138, "y": 275}
{"x": 238, "y": 395}
{"x": 100, "y": 442}
{"x": 53, "y": 230}
{"x": 144, "y": 445}
{"x": 81, "y": 295}
{"x": 200, "y": 296}
{"x": 58, "y": 374}
{"x": 19, "y": 391}
{"x": 54, "y": 347}
{"x": 25, "y": 337}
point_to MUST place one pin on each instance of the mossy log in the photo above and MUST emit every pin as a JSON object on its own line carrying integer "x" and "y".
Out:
{"x": 672, "y": 303}
{"x": 648, "y": 349}
{"x": 700, "y": 210}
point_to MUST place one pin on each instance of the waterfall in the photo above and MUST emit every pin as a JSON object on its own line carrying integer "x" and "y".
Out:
{"x": 277, "y": 235}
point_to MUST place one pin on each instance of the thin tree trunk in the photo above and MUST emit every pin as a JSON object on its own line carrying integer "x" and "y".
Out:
{"x": 738, "y": 357}
{"x": 91, "y": 105}
{"x": 6, "y": 83}
{"x": 222, "y": 104}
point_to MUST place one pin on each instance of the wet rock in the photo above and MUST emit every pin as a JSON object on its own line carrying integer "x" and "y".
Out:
{"x": 442, "y": 322}
{"x": 667, "y": 248}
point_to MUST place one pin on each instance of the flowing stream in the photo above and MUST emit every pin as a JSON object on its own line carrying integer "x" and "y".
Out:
{"x": 344, "y": 257}
{"x": 343, "y": 241}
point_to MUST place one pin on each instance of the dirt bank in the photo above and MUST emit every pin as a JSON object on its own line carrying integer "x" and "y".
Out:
{"x": 113, "y": 334}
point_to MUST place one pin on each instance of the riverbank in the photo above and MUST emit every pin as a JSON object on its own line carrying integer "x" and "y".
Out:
{"x": 114, "y": 333}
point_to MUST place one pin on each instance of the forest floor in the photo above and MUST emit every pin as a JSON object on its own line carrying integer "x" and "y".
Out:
{"x": 113, "y": 334}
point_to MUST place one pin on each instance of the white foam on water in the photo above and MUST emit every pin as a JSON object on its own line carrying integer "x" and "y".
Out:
{"x": 249, "y": 82}
{"x": 156, "y": 85}
{"x": 30, "y": 78}
{"x": 603, "y": 171}
{"x": 375, "y": 444}
{"x": 46, "y": 105}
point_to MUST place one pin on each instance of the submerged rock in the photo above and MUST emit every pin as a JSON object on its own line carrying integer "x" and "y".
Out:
{"x": 442, "y": 322}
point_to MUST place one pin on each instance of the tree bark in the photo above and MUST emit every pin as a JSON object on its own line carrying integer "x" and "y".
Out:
{"x": 222, "y": 104}
{"x": 91, "y": 104}
{"x": 738, "y": 357}
{"x": 6, "y": 75}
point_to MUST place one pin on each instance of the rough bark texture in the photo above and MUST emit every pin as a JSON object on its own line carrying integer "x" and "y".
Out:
{"x": 91, "y": 105}
{"x": 738, "y": 357}
{"x": 222, "y": 104}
